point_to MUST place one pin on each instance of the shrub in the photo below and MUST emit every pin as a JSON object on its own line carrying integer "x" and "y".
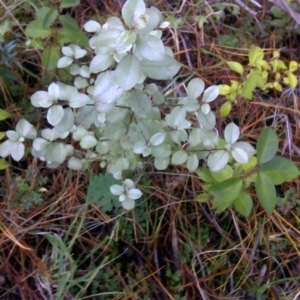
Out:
{"x": 113, "y": 115}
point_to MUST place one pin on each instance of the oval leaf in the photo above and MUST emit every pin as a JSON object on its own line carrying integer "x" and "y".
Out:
{"x": 157, "y": 138}
{"x": 225, "y": 109}
{"x": 179, "y": 157}
{"x": 55, "y": 114}
{"x": 279, "y": 170}
{"x": 218, "y": 160}
{"x": 240, "y": 155}
{"x": 140, "y": 103}
{"x": 227, "y": 190}
{"x": 195, "y": 88}
{"x": 101, "y": 62}
{"x": 243, "y": 204}
{"x": 164, "y": 69}
{"x": 4, "y": 114}
{"x": 211, "y": 93}
{"x": 131, "y": 10}
{"x": 192, "y": 162}
{"x": 150, "y": 47}
{"x": 134, "y": 194}
{"x": 265, "y": 191}
{"x": 236, "y": 67}
{"x": 88, "y": 141}
{"x": 231, "y": 133}
{"x": 128, "y": 72}
{"x": 267, "y": 145}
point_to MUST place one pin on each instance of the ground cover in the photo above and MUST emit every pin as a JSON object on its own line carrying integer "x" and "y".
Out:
{"x": 58, "y": 244}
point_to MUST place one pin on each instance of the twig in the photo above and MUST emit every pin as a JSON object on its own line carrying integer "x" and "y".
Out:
{"x": 245, "y": 7}
{"x": 286, "y": 8}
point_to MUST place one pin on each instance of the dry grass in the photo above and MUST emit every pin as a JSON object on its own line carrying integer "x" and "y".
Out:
{"x": 169, "y": 247}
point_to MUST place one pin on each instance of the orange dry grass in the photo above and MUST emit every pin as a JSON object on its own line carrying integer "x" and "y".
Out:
{"x": 220, "y": 256}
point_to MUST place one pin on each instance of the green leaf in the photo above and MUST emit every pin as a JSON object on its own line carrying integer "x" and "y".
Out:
{"x": 134, "y": 194}
{"x": 3, "y": 164}
{"x": 155, "y": 18}
{"x": 69, "y": 3}
{"x": 292, "y": 80}
{"x": 25, "y": 129}
{"x": 42, "y": 12}
{"x": 195, "y": 137}
{"x": 128, "y": 72}
{"x": 279, "y": 170}
{"x": 163, "y": 69}
{"x": 267, "y": 145}
{"x": 4, "y": 114}
{"x": 131, "y": 10}
{"x": 218, "y": 160}
{"x": 4, "y": 27}
{"x": 35, "y": 29}
{"x": 265, "y": 191}
{"x": 256, "y": 54}
{"x": 202, "y": 197}
{"x": 50, "y": 17}
{"x": 205, "y": 175}
{"x": 157, "y": 138}
{"x": 240, "y": 155}
{"x": 250, "y": 84}
{"x": 106, "y": 91}
{"x": 55, "y": 114}
{"x": 231, "y": 133}
{"x": 150, "y": 47}
{"x": 225, "y": 109}
{"x": 221, "y": 204}
{"x": 236, "y": 67}
{"x": 208, "y": 121}
{"x": 211, "y": 93}
{"x": 56, "y": 152}
{"x": 99, "y": 192}
{"x": 161, "y": 163}
{"x": 50, "y": 57}
{"x": 222, "y": 175}
{"x": 75, "y": 163}
{"x": 88, "y": 141}
{"x": 179, "y": 157}
{"x": 101, "y": 62}
{"x": 243, "y": 203}
{"x": 192, "y": 162}
{"x": 66, "y": 35}
{"x": 67, "y": 121}
{"x": 209, "y": 139}
{"x": 68, "y": 22}
{"x": 140, "y": 103}
{"x": 7, "y": 74}
{"x": 195, "y": 88}
{"x": 227, "y": 190}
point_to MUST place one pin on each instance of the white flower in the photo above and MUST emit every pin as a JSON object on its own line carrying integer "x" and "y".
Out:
{"x": 127, "y": 193}
{"x": 71, "y": 52}
{"x": 14, "y": 145}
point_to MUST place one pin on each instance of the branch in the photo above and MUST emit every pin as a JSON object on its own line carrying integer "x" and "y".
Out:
{"x": 286, "y": 8}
